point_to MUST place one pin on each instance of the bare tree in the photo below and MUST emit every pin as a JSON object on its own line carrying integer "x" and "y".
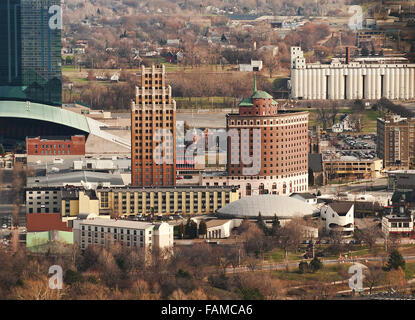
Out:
{"x": 373, "y": 275}
{"x": 270, "y": 61}
{"x": 369, "y": 236}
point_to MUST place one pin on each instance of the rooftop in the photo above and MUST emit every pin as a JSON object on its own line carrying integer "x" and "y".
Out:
{"x": 43, "y": 112}
{"x": 342, "y": 208}
{"x": 305, "y": 195}
{"x": 216, "y": 222}
{"x": 269, "y": 206}
{"x": 117, "y": 223}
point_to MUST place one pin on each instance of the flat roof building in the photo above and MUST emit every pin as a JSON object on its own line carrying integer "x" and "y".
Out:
{"x": 133, "y": 234}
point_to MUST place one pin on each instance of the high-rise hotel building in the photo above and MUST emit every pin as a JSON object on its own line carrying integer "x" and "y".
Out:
{"x": 153, "y": 126}
{"x": 282, "y": 152}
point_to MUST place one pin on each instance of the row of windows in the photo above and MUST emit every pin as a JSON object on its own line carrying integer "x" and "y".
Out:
{"x": 51, "y": 152}
{"x": 151, "y": 111}
{"x": 271, "y": 122}
{"x": 53, "y": 146}
{"x": 114, "y": 230}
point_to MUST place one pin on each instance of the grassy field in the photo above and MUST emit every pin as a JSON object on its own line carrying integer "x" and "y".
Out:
{"x": 326, "y": 274}
{"x": 277, "y": 255}
{"x": 368, "y": 120}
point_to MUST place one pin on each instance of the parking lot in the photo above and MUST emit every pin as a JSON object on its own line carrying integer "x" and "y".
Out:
{"x": 359, "y": 146}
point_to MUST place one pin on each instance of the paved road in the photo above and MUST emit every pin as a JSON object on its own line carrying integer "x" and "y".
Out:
{"x": 294, "y": 264}
{"x": 351, "y": 187}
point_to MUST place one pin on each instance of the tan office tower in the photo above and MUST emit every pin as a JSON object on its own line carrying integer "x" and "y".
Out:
{"x": 153, "y": 128}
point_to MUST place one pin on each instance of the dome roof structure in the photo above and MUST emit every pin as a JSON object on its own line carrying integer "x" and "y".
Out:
{"x": 268, "y": 205}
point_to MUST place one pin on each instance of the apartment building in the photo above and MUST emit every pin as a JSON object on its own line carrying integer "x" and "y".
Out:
{"x": 396, "y": 142}
{"x": 134, "y": 234}
{"x": 153, "y": 127}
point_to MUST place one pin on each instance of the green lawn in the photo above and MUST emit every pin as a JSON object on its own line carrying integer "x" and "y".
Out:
{"x": 409, "y": 270}
{"x": 326, "y": 274}
{"x": 277, "y": 255}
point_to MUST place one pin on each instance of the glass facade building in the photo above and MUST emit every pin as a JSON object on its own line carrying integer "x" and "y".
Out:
{"x": 30, "y": 52}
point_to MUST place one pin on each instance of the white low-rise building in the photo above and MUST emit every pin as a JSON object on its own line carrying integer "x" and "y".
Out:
{"x": 339, "y": 216}
{"x": 306, "y": 197}
{"x": 134, "y": 234}
{"x": 255, "y": 65}
{"x": 397, "y": 225}
{"x": 218, "y": 229}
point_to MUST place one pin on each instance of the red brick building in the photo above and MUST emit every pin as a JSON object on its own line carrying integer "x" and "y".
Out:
{"x": 153, "y": 110}
{"x": 56, "y": 146}
{"x": 37, "y": 222}
{"x": 280, "y": 161}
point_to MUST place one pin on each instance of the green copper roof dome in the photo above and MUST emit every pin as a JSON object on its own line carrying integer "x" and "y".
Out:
{"x": 261, "y": 95}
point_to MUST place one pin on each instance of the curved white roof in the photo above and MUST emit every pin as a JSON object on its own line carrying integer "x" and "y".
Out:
{"x": 268, "y": 205}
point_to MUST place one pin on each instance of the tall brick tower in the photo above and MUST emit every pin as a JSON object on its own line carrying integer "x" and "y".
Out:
{"x": 283, "y": 146}
{"x": 153, "y": 110}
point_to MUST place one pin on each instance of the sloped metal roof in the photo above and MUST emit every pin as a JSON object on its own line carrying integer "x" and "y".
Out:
{"x": 43, "y": 112}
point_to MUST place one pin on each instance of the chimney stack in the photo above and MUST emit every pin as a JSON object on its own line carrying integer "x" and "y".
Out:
{"x": 347, "y": 55}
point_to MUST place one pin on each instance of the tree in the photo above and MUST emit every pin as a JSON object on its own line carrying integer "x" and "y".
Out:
{"x": 202, "y": 228}
{"x": 396, "y": 279}
{"x": 323, "y": 115}
{"x": 72, "y": 277}
{"x": 373, "y": 276}
{"x": 334, "y": 112}
{"x": 290, "y": 236}
{"x": 275, "y": 224}
{"x": 261, "y": 223}
{"x": 270, "y": 62}
{"x": 1, "y": 150}
{"x": 191, "y": 229}
{"x": 358, "y": 106}
{"x": 369, "y": 236}
{"x": 395, "y": 261}
{"x": 315, "y": 264}
{"x": 303, "y": 267}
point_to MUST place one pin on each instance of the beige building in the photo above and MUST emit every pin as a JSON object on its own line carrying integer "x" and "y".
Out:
{"x": 165, "y": 200}
{"x": 353, "y": 169}
{"x": 70, "y": 202}
{"x": 134, "y": 234}
{"x": 396, "y": 142}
